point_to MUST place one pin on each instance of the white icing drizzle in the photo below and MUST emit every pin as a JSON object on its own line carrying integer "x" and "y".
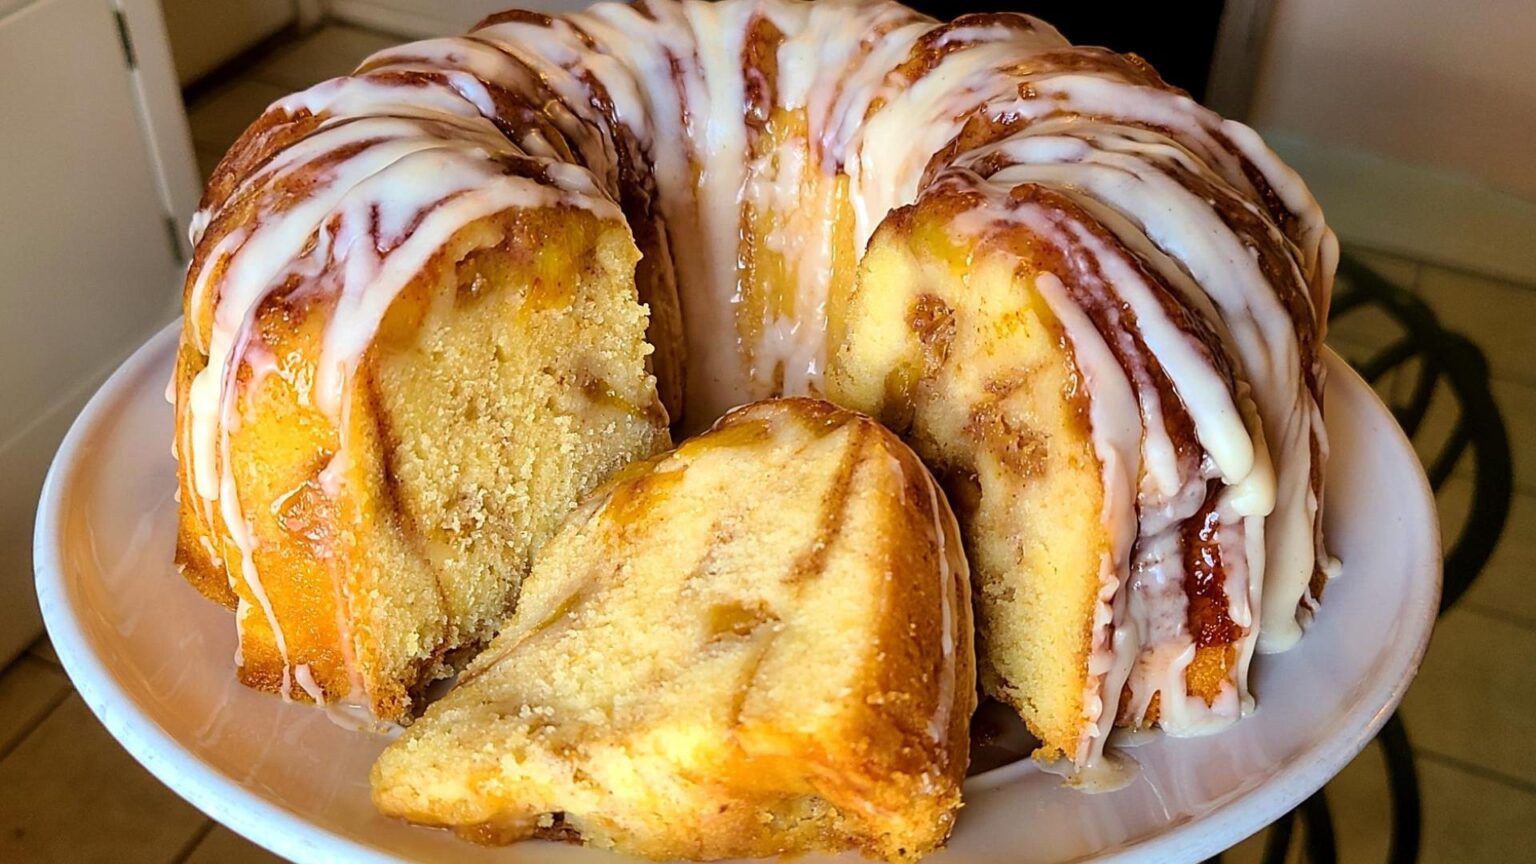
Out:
{"x": 1196, "y": 233}
{"x": 1197, "y": 252}
{"x": 306, "y": 681}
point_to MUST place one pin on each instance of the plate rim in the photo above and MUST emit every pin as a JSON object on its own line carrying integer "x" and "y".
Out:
{"x": 233, "y": 805}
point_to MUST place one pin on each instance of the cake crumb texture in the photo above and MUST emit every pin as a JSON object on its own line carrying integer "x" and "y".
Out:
{"x": 756, "y": 644}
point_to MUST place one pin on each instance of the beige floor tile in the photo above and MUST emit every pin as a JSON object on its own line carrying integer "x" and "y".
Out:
{"x": 1472, "y": 699}
{"x": 42, "y": 649}
{"x": 223, "y": 846}
{"x": 1469, "y": 819}
{"x": 218, "y": 118}
{"x": 29, "y": 689}
{"x": 1353, "y": 334}
{"x": 1358, "y": 800}
{"x": 1503, "y": 588}
{"x": 1517, "y": 405}
{"x": 1465, "y": 817}
{"x": 1361, "y": 332}
{"x": 1498, "y": 316}
{"x": 1400, "y": 271}
{"x": 1361, "y": 805}
{"x": 326, "y": 53}
{"x": 1353, "y": 353}
{"x": 68, "y": 792}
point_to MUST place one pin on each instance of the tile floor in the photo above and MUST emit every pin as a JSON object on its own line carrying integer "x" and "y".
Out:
{"x": 1469, "y": 714}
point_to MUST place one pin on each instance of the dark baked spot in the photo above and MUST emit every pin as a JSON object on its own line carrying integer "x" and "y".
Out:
{"x": 811, "y": 562}
{"x": 305, "y": 511}
{"x": 963, "y": 489}
{"x": 1020, "y": 448}
{"x": 898, "y": 407}
{"x": 737, "y": 619}
{"x": 933, "y": 321}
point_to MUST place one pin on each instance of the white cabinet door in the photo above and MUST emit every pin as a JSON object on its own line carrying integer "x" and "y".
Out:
{"x": 89, "y": 266}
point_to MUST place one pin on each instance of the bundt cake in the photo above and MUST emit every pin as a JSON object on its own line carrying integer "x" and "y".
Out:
{"x": 1095, "y": 307}
{"x": 757, "y": 643}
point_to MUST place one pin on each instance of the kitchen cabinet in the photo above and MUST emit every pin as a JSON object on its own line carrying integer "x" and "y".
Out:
{"x": 97, "y": 182}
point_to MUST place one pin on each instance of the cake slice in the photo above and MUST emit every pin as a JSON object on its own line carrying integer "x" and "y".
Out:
{"x": 758, "y": 643}
{"x": 1100, "y": 542}
{"x": 957, "y": 352}
{"x": 370, "y": 548}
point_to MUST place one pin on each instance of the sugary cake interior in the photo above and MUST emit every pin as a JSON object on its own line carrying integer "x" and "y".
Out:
{"x": 949, "y": 344}
{"x": 730, "y": 650}
{"x": 518, "y": 392}
{"x": 506, "y": 381}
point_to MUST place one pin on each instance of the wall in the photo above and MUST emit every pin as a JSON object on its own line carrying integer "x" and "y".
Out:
{"x": 1437, "y": 83}
{"x": 1412, "y": 121}
{"x": 424, "y": 18}
{"x": 207, "y": 33}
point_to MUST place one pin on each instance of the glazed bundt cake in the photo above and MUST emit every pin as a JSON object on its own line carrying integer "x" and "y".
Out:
{"x": 1095, "y": 307}
{"x": 758, "y": 643}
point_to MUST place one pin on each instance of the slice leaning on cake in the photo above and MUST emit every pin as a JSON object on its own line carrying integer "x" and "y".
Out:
{"x": 436, "y": 302}
{"x": 758, "y": 643}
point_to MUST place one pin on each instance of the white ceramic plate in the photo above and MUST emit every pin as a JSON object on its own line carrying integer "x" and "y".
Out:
{"x": 154, "y": 660}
